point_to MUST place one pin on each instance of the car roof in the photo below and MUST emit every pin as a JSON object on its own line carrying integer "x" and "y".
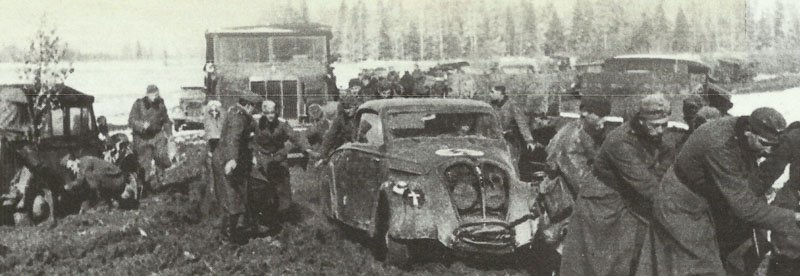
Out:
{"x": 415, "y": 103}
{"x": 68, "y": 96}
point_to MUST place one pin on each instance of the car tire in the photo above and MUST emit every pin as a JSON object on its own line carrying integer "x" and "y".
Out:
{"x": 397, "y": 253}
{"x": 391, "y": 251}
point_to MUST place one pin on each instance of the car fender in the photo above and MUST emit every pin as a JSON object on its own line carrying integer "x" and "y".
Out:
{"x": 434, "y": 219}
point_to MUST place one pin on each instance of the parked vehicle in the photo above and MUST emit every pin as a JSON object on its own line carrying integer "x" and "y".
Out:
{"x": 188, "y": 115}
{"x": 285, "y": 63}
{"x": 430, "y": 170}
{"x": 69, "y": 128}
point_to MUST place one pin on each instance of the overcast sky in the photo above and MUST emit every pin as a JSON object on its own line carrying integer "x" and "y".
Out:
{"x": 178, "y": 25}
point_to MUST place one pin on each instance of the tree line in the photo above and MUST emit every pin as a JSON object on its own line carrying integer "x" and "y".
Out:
{"x": 448, "y": 29}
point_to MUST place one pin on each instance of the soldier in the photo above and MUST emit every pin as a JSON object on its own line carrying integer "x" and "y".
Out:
{"x": 151, "y": 130}
{"x": 708, "y": 201}
{"x": 610, "y": 225}
{"x": 232, "y": 163}
{"x": 269, "y": 145}
{"x": 319, "y": 125}
{"x": 786, "y": 256}
{"x": 516, "y": 125}
{"x": 212, "y": 124}
{"x": 573, "y": 149}
{"x": 343, "y": 126}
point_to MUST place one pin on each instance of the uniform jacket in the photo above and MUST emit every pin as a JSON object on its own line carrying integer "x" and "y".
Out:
{"x": 213, "y": 124}
{"x": 610, "y": 226}
{"x": 706, "y": 202}
{"x": 144, "y": 110}
{"x": 270, "y": 138}
{"x": 236, "y": 135}
{"x": 341, "y": 131}
{"x": 789, "y": 196}
{"x": 513, "y": 118}
{"x": 316, "y": 132}
{"x": 572, "y": 152}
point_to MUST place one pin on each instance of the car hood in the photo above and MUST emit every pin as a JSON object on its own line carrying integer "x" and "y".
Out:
{"x": 419, "y": 156}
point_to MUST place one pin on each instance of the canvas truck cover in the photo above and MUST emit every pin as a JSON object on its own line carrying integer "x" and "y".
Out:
{"x": 14, "y": 115}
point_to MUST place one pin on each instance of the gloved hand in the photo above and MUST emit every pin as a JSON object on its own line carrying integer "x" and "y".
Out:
{"x": 230, "y": 166}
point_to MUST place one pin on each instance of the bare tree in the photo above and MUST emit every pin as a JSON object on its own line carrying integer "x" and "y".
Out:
{"x": 45, "y": 68}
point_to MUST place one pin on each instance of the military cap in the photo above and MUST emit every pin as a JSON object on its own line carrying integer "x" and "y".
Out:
{"x": 654, "y": 107}
{"x": 767, "y": 123}
{"x": 152, "y": 88}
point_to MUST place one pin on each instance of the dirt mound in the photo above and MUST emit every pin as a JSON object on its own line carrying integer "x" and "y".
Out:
{"x": 170, "y": 234}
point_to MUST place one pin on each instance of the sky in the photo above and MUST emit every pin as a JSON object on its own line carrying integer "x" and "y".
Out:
{"x": 107, "y": 26}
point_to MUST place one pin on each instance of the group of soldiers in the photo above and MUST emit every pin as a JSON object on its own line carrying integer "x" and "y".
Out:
{"x": 245, "y": 151}
{"x": 642, "y": 205}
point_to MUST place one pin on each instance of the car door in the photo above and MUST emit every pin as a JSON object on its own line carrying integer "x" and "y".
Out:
{"x": 364, "y": 172}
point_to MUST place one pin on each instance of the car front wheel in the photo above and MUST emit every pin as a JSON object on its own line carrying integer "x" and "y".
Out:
{"x": 396, "y": 253}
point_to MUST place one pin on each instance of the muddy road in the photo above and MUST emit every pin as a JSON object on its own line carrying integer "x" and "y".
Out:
{"x": 170, "y": 234}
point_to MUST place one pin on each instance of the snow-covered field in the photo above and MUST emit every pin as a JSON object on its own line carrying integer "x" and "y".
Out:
{"x": 785, "y": 102}
{"x": 117, "y": 84}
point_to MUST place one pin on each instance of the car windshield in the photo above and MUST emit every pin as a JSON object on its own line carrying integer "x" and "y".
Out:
{"x": 443, "y": 124}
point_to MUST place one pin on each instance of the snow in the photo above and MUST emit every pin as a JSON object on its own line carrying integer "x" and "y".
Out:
{"x": 764, "y": 77}
{"x": 117, "y": 84}
{"x": 782, "y": 101}
{"x": 686, "y": 57}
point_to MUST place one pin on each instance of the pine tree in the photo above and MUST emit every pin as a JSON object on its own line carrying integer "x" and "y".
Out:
{"x": 588, "y": 30}
{"x": 455, "y": 37}
{"x": 45, "y": 67}
{"x": 712, "y": 39}
{"x": 575, "y": 40}
{"x": 354, "y": 39}
{"x": 385, "y": 42}
{"x": 530, "y": 29}
{"x": 794, "y": 35}
{"x": 779, "y": 34}
{"x": 765, "y": 33}
{"x": 681, "y": 39}
{"x": 362, "y": 31}
{"x": 725, "y": 39}
{"x": 304, "y": 16}
{"x": 139, "y": 50}
{"x": 554, "y": 37}
{"x": 661, "y": 27}
{"x": 412, "y": 43}
{"x": 750, "y": 27}
{"x": 642, "y": 39}
{"x": 341, "y": 34}
{"x": 511, "y": 32}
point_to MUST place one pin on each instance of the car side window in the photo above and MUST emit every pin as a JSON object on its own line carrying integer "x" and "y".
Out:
{"x": 52, "y": 123}
{"x": 370, "y": 129}
{"x": 80, "y": 121}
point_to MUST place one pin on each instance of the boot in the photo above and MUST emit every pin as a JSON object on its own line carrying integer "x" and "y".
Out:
{"x": 226, "y": 229}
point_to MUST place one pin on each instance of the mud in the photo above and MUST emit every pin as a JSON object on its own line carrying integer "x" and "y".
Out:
{"x": 174, "y": 232}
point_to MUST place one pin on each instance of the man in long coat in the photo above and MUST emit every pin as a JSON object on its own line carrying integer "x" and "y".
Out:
{"x": 786, "y": 256}
{"x": 150, "y": 125}
{"x": 269, "y": 146}
{"x": 610, "y": 226}
{"x": 708, "y": 203}
{"x": 573, "y": 149}
{"x": 516, "y": 124}
{"x": 232, "y": 163}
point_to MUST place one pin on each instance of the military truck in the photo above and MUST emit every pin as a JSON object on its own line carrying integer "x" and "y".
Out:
{"x": 188, "y": 115}
{"x": 285, "y": 63}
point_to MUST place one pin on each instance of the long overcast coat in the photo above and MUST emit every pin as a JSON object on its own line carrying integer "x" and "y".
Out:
{"x": 233, "y": 145}
{"x": 612, "y": 214}
{"x": 707, "y": 201}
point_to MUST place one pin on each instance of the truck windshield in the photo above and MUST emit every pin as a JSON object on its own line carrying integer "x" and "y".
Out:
{"x": 443, "y": 124}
